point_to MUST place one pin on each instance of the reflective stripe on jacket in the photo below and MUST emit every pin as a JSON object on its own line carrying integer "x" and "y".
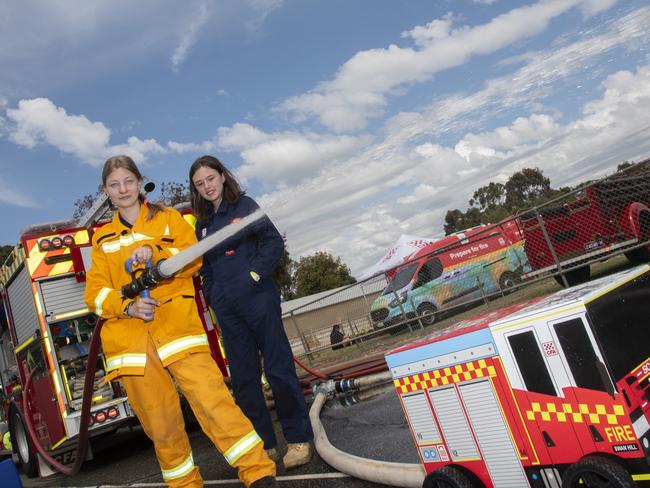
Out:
{"x": 176, "y": 328}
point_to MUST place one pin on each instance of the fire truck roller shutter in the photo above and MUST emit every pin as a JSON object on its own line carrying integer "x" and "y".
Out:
{"x": 494, "y": 441}
{"x": 23, "y": 308}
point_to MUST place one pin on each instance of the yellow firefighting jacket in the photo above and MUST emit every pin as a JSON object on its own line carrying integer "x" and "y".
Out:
{"x": 176, "y": 328}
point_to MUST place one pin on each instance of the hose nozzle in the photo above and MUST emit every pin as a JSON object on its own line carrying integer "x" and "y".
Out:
{"x": 146, "y": 279}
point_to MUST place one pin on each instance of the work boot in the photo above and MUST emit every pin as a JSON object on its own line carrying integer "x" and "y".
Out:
{"x": 273, "y": 454}
{"x": 266, "y": 482}
{"x": 297, "y": 454}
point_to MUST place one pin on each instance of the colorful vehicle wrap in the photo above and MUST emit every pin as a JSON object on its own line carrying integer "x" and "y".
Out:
{"x": 455, "y": 270}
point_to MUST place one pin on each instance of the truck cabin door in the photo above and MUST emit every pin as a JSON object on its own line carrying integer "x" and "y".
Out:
{"x": 583, "y": 377}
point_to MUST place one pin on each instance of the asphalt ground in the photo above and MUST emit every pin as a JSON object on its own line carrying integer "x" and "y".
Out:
{"x": 374, "y": 427}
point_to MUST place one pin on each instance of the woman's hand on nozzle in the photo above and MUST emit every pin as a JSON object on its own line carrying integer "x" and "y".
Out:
{"x": 141, "y": 255}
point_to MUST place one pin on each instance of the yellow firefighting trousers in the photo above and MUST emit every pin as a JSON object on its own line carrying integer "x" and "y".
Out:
{"x": 155, "y": 401}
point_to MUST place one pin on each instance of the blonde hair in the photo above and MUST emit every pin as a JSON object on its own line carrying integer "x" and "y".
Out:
{"x": 128, "y": 164}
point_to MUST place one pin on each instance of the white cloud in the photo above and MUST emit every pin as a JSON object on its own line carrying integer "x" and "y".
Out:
{"x": 59, "y": 45}
{"x": 189, "y": 37}
{"x": 593, "y": 7}
{"x": 285, "y": 158}
{"x": 361, "y": 87}
{"x": 182, "y": 148}
{"x": 405, "y": 182}
{"x": 11, "y": 196}
{"x": 420, "y": 192}
{"x": 431, "y": 32}
{"x": 39, "y": 121}
{"x": 137, "y": 148}
{"x": 261, "y": 9}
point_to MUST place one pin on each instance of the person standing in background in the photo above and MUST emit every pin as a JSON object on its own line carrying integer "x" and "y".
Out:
{"x": 238, "y": 286}
{"x": 152, "y": 342}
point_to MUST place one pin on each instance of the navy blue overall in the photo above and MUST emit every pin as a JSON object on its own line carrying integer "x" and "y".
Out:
{"x": 250, "y": 318}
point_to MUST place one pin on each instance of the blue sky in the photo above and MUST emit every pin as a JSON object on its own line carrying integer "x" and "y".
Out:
{"x": 351, "y": 122}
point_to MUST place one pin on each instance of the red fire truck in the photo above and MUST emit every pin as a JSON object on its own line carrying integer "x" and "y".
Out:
{"x": 608, "y": 216}
{"x": 46, "y": 326}
{"x": 553, "y": 392}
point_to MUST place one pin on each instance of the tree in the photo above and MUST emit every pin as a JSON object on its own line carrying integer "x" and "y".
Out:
{"x": 320, "y": 272}
{"x": 455, "y": 220}
{"x": 4, "y": 252}
{"x": 624, "y": 165}
{"x": 173, "y": 193}
{"x": 83, "y": 204}
{"x": 283, "y": 273}
{"x": 525, "y": 188}
{"x": 489, "y": 196}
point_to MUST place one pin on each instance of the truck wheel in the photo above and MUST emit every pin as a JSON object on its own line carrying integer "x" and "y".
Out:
{"x": 596, "y": 471}
{"x": 427, "y": 313}
{"x": 449, "y": 477}
{"x": 575, "y": 276}
{"x": 21, "y": 445}
{"x": 508, "y": 280}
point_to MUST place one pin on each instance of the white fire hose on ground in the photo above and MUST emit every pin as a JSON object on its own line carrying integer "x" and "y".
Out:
{"x": 382, "y": 472}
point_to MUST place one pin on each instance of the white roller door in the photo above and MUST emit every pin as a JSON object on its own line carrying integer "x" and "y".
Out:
{"x": 23, "y": 308}
{"x": 453, "y": 424}
{"x": 492, "y": 435}
{"x": 420, "y": 417}
{"x": 63, "y": 296}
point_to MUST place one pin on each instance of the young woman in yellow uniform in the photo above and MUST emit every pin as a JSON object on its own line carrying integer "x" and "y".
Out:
{"x": 150, "y": 342}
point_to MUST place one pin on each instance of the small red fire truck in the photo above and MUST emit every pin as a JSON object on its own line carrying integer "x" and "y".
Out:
{"x": 553, "y": 392}
{"x": 46, "y": 326}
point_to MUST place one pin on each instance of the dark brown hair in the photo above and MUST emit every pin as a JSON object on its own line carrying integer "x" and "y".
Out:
{"x": 231, "y": 189}
{"x": 128, "y": 164}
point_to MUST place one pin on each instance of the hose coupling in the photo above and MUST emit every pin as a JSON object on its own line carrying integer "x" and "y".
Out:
{"x": 144, "y": 280}
{"x": 345, "y": 385}
{"x": 327, "y": 388}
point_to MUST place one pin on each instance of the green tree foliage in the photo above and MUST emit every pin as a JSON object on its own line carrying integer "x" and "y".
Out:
{"x": 4, "y": 252}
{"x": 489, "y": 196}
{"x": 320, "y": 272}
{"x": 456, "y": 220}
{"x": 525, "y": 188}
{"x": 283, "y": 274}
{"x": 624, "y": 165}
{"x": 496, "y": 201}
{"x": 83, "y": 204}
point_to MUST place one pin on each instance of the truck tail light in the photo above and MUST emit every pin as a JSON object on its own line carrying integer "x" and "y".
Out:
{"x": 44, "y": 245}
{"x": 57, "y": 242}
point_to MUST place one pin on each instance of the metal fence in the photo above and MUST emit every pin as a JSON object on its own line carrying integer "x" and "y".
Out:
{"x": 562, "y": 238}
